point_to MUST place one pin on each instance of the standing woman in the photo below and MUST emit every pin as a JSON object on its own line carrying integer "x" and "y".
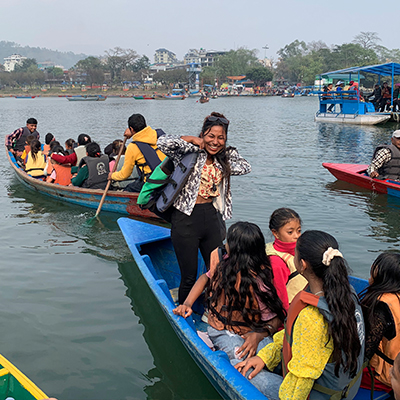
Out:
{"x": 381, "y": 307}
{"x": 322, "y": 345}
{"x": 195, "y": 221}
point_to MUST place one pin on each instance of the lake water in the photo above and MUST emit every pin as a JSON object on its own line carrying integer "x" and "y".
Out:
{"x": 78, "y": 318}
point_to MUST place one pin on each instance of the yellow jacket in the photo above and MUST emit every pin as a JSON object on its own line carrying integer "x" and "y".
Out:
{"x": 134, "y": 156}
{"x": 35, "y": 168}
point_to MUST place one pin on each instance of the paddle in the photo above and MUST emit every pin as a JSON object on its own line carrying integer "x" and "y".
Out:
{"x": 109, "y": 182}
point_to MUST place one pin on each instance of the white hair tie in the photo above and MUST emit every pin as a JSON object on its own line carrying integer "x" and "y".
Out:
{"x": 329, "y": 254}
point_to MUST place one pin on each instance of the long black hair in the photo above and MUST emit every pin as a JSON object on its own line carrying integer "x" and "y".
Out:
{"x": 385, "y": 273}
{"x": 218, "y": 119}
{"x": 310, "y": 247}
{"x": 35, "y": 148}
{"x": 248, "y": 262}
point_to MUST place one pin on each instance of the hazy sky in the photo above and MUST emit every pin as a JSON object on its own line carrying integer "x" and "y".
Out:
{"x": 93, "y": 26}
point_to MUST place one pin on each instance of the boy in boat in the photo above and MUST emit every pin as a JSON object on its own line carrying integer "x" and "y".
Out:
{"x": 386, "y": 161}
{"x": 17, "y": 139}
{"x": 144, "y": 138}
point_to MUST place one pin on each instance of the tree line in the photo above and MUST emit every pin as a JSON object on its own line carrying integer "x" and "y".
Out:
{"x": 297, "y": 62}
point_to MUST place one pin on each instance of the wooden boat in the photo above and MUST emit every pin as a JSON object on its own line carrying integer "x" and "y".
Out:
{"x": 116, "y": 201}
{"x": 25, "y": 97}
{"x": 357, "y": 174}
{"x": 15, "y": 385}
{"x": 204, "y": 100}
{"x": 174, "y": 97}
{"x": 143, "y": 97}
{"x": 86, "y": 98}
{"x": 154, "y": 255}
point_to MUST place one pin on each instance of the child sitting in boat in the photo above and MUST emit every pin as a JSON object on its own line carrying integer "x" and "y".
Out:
{"x": 285, "y": 225}
{"x": 93, "y": 169}
{"x": 49, "y": 138}
{"x": 381, "y": 307}
{"x": 27, "y": 147}
{"x": 244, "y": 308}
{"x": 35, "y": 162}
{"x": 69, "y": 146}
{"x": 322, "y": 346}
{"x": 58, "y": 173}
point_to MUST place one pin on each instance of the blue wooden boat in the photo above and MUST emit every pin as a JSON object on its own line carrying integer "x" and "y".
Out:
{"x": 116, "y": 201}
{"x": 153, "y": 252}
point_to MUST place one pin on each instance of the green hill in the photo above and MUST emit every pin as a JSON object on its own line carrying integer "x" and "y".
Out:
{"x": 66, "y": 59}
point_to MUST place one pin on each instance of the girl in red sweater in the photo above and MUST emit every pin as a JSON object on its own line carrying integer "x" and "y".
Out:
{"x": 285, "y": 225}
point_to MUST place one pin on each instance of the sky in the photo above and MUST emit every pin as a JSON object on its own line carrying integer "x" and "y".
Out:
{"x": 94, "y": 26}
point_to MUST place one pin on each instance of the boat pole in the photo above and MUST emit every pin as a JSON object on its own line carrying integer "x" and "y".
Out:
{"x": 109, "y": 182}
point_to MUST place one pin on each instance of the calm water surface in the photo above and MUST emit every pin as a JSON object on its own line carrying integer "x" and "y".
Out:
{"x": 78, "y": 318}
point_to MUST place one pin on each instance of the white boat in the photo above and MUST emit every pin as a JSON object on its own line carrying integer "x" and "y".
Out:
{"x": 359, "y": 119}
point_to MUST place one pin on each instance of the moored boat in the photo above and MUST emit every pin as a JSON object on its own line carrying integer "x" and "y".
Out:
{"x": 357, "y": 175}
{"x": 25, "y": 97}
{"x": 174, "y": 97}
{"x": 116, "y": 201}
{"x": 154, "y": 255}
{"x": 204, "y": 100}
{"x": 15, "y": 385}
{"x": 87, "y": 98}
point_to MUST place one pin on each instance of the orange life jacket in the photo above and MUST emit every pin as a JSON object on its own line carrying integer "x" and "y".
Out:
{"x": 389, "y": 348}
{"x": 46, "y": 149}
{"x": 63, "y": 174}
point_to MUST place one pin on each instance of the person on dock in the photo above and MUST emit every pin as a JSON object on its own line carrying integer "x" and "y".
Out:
{"x": 322, "y": 346}
{"x": 17, "y": 139}
{"x": 396, "y": 98}
{"x": 204, "y": 202}
{"x": 244, "y": 321}
{"x": 385, "y": 163}
{"x": 381, "y": 307}
{"x": 142, "y": 152}
{"x": 93, "y": 169}
{"x": 285, "y": 225}
{"x": 386, "y": 97}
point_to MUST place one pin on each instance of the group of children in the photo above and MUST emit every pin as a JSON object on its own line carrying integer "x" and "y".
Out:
{"x": 77, "y": 164}
{"x": 302, "y": 280}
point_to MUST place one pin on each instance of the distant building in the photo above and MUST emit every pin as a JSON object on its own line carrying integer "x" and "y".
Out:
{"x": 48, "y": 64}
{"x": 206, "y": 58}
{"x": 164, "y": 56}
{"x": 12, "y": 61}
{"x": 265, "y": 62}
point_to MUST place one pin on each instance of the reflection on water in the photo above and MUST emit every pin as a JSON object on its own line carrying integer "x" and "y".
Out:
{"x": 68, "y": 288}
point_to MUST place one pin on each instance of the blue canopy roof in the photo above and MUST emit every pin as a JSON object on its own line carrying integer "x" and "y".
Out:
{"x": 381, "y": 69}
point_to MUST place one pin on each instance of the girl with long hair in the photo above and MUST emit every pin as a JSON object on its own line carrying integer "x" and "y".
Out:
{"x": 204, "y": 202}
{"x": 322, "y": 346}
{"x": 381, "y": 307}
{"x": 35, "y": 162}
{"x": 244, "y": 308}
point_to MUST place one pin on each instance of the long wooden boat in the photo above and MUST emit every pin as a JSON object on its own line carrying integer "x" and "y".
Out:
{"x": 86, "y": 98}
{"x": 116, "y": 201}
{"x": 204, "y": 100}
{"x": 357, "y": 174}
{"x": 15, "y": 385}
{"x": 154, "y": 255}
{"x": 26, "y": 97}
{"x": 174, "y": 97}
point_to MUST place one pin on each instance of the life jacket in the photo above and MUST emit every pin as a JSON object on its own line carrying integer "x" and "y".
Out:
{"x": 328, "y": 385}
{"x": 21, "y": 141}
{"x": 98, "y": 168}
{"x": 150, "y": 155}
{"x": 46, "y": 149}
{"x": 388, "y": 349}
{"x": 80, "y": 152}
{"x": 296, "y": 282}
{"x": 63, "y": 174}
{"x": 165, "y": 183}
{"x": 123, "y": 184}
{"x": 391, "y": 169}
{"x": 35, "y": 167}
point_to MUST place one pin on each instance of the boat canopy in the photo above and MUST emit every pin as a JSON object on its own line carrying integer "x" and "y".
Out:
{"x": 387, "y": 69}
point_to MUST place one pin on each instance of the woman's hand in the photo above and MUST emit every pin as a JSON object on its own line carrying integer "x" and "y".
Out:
{"x": 194, "y": 140}
{"x": 183, "y": 310}
{"x": 249, "y": 347}
{"x": 254, "y": 362}
{"x": 110, "y": 176}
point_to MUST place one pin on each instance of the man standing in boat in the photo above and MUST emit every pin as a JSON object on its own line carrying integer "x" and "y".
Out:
{"x": 386, "y": 161}
{"x": 17, "y": 139}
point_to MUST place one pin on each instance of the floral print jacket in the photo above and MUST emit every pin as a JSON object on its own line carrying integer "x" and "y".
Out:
{"x": 175, "y": 148}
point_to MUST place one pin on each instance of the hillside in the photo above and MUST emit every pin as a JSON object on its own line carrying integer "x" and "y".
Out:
{"x": 67, "y": 59}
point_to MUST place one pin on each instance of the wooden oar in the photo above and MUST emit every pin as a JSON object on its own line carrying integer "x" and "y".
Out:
{"x": 109, "y": 182}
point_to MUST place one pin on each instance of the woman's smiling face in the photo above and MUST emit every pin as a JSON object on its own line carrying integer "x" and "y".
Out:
{"x": 214, "y": 140}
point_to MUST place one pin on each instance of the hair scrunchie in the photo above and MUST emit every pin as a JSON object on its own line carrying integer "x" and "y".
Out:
{"x": 329, "y": 254}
